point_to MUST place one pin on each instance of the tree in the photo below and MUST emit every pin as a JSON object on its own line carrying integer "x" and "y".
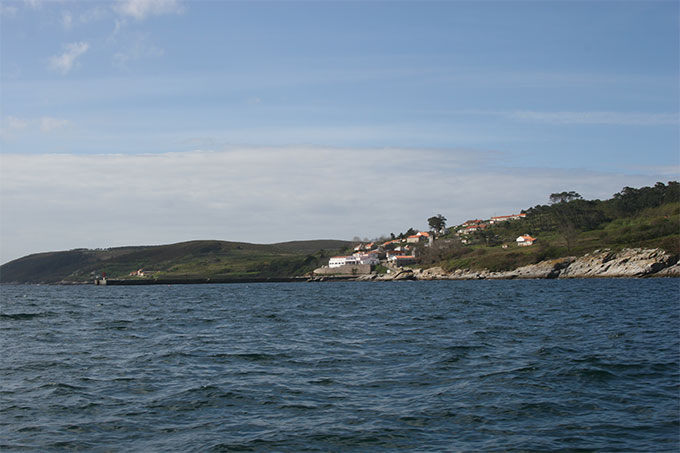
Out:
{"x": 409, "y": 232}
{"x": 564, "y": 197}
{"x": 437, "y": 223}
{"x": 572, "y": 217}
{"x": 630, "y": 201}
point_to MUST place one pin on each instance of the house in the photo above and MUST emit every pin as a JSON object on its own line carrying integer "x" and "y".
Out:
{"x": 471, "y": 222}
{"x": 401, "y": 260}
{"x": 525, "y": 240}
{"x": 369, "y": 246}
{"x": 503, "y": 218}
{"x": 142, "y": 273}
{"x": 473, "y": 228}
{"x": 366, "y": 258}
{"x": 421, "y": 236}
{"x": 378, "y": 253}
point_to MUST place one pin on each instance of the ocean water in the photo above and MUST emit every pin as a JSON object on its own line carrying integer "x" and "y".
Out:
{"x": 587, "y": 365}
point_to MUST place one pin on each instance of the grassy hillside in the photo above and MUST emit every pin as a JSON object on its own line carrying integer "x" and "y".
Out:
{"x": 194, "y": 259}
{"x": 648, "y": 217}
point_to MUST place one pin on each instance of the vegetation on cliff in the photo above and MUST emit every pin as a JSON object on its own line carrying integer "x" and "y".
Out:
{"x": 648, "y": 217}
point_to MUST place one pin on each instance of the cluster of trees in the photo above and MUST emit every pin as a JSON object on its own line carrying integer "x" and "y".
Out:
{"x": 631, "y": 201}
{"x": 569, "y": 214}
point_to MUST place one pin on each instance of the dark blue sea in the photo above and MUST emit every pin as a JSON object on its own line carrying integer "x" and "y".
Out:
{"x": 542, "y": 365}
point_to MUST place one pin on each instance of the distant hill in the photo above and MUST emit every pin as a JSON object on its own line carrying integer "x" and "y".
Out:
{"x": 193, "y": 259}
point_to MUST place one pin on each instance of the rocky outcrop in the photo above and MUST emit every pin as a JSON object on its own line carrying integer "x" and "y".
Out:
{"x": 400, "y": 274}
{"x": 625, "y": 263}
{"x": 671, "y": 271}
{"x": 598, "y": 264}
{"x": 544, "y": 269}
{"x": 433, "y": 273}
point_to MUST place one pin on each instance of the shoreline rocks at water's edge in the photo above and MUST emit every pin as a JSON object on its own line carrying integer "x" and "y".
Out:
{"x": 626, "y": 263}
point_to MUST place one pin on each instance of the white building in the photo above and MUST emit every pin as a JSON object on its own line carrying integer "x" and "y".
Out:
{"x": 338, "y": 261}
{"x": 503, "y": 218}
{"x": 401, "y": 260}
{"x": 525, "y": 240}
{"x": 367, "y": 258}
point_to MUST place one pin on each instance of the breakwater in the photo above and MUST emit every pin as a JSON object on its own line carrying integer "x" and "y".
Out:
{"x": 194, "y": 281}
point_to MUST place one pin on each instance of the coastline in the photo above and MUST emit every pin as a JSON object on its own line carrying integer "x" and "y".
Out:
{"x": 626, "y": 263}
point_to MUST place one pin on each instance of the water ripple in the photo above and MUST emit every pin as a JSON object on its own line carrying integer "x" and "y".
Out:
{"x": 427, "y": 366}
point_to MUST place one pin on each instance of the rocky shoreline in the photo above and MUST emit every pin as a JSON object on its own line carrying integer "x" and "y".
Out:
{"x": 627, "y": 263}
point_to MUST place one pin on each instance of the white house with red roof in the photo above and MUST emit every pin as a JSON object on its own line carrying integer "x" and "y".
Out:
{"x": 421, "y": 236}
{"x": 473, "y": 228}
{"x": 525, "y": 240}
{"x": 401, "y": 260}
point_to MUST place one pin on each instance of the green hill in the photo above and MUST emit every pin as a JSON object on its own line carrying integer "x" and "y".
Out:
{"x": 194, "y": 259}
{"x": 648, "y": 217}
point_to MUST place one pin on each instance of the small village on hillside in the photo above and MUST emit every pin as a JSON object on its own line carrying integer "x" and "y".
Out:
{"x": 403, "y": 251}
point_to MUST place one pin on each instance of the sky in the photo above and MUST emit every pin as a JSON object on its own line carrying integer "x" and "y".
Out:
{"x": 142, "y": 122}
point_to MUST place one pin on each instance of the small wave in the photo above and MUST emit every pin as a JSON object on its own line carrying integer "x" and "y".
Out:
{"x": 22, "y": 316}
{"x": 590, "y": 373}
{"x": 322, "y": 381}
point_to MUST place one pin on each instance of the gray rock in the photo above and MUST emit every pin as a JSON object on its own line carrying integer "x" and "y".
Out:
{"x": 544, "y": 269}
{"x": 624, "y": 263}
{"x": 671, "y": 271}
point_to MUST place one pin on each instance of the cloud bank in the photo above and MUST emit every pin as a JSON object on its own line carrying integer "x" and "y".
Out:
{"x": 263, "y": 195}
{"x": 66, "y": 61}
{"x": 611, "y": 118}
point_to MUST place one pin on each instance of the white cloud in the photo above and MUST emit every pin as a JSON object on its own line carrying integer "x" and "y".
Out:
{"x": 34, "y": 4}
{"x": 262, "y": 194}
{"x": 66, "y": 61}
{"x": 141, "y": 9}
{"x": 669, "y": 171}
{"x": 66, "y": 20}
{"x": 48, "y": 124}
{"x": 12, "y": 125}
{"x": 15, "y": 123}
{"x": 614, "y": 118}
{"x": 8, "y": 10}
{"x": 139, "y": 47}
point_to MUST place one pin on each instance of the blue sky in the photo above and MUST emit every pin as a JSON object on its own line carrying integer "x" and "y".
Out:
{"x": 408, "y": 109}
